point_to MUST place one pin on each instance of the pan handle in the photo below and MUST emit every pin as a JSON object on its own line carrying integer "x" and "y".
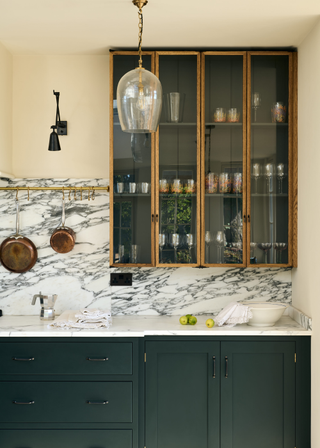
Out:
{"x": 63, "y": 217}
{"x": 17, "y": 217}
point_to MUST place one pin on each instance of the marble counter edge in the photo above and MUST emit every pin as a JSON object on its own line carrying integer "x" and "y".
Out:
{"x": 125, "y": 326}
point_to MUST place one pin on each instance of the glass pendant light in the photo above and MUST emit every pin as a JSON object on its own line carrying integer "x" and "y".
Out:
{"x": 139, "y": 93}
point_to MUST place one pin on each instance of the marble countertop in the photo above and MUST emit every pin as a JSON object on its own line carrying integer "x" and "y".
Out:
{"x": 140, "y": 326}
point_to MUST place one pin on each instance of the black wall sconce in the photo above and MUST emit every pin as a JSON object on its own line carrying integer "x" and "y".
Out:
{"x": 60, "y": 126}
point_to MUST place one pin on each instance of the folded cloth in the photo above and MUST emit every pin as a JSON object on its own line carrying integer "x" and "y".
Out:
{"x": 233, "y": 314}
{"x": 79, "y": 319}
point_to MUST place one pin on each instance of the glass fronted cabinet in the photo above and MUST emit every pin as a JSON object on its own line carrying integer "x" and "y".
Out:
{"x": 131, "y": 179}
{"x": 178, "y": 160}
{"x": 217, "y": 184}
{"x": 270, "y": 166}
{"x": 224, "y": 158}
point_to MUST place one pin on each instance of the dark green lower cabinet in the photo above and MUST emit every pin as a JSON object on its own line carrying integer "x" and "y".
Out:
{"x": 65, "y": 438}
{"x": 239, "y": 393}
{"x": 182, "y": 394}
{"x": 257, "y": 395}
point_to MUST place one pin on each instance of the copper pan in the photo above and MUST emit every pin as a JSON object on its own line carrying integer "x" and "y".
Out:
{"x": 63, "y": 238}
{"x": 17, "y": 253}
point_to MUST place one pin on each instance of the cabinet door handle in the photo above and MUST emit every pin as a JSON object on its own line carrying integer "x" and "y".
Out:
{"x": 214, "y": 366}
{"x": 244, "y": 218}
{"x": 97, "y": 402}
{"x": 248, "y": 218}
{"x": 23, "y": 359}
{"x": 23, "y": 402}
{"x": 157, "y": 218}
{"x": 152, "y": 217}
{"x": 226, "y": 363}
{"x": 97, "y": 359}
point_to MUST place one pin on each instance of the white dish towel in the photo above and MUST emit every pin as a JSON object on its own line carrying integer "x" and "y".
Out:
{"x": 233, "y": 314}
{"x": 86, "y": 319}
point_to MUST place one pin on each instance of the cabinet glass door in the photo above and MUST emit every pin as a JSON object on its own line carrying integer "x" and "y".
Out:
{"x": 178, "y": 160}
{"x": 130, "y": 188}
{"x": 223, "y": 160}
{"x": 269, "y": 110}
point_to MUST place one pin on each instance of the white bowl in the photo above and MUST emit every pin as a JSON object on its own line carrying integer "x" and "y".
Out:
{"x": 265, "y": 314}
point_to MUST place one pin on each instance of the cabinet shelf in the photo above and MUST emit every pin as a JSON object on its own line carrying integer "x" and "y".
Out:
{"x": 132, "y": 195}
{"x": 177, "y": 124}
{"x": 224, "y": 195}
{"x": 273, "y": 195}
{"x": 213, "y": 124}
{"x": 270, "y": 124}
{"x": 173, "y": 195}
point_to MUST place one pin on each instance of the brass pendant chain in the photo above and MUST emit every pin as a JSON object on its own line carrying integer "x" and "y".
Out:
{"x": 140, "y": 35}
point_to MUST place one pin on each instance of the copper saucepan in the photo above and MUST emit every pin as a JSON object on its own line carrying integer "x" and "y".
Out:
{"x": 63, "y": 238}
{"x": 17, "y": 253}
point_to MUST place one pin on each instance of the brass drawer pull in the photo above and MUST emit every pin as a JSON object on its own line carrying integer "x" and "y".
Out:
{"x": 23, "y": 359}
{"x": 98, "y": 359}
{"x": 23, "y": 402}
{"x": 97, "y": 402}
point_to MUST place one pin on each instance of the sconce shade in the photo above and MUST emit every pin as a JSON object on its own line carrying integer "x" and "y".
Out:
{"x": 139, "y": 101}
{"x": 54, "y": 144}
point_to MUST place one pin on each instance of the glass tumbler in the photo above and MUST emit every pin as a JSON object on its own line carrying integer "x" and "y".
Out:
{"x": 224, "y": 183}
{"x": 219, "y": 115}
{"x": 237, "y": 183}
{"x": 212, "y": 183}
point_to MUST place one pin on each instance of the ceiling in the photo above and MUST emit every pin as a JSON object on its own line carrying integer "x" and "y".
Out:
{"x": 94, "y": 26}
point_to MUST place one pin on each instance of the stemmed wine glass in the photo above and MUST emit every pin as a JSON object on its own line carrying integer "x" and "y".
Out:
{"x": 256, "y": 175}
{"x": 279, "y": 247}
{"x": 269, "y": 176}
{"x": 175, "y": 244}
{"x": 280, "y": 175}
{"x": 256, "y": 103}
{"x": 207, "y": 240}
{"x": 252, "y": 248}
{"x": 162, "y": 242}
{"x": 190, "y": 244}
{"x": 265, "y": 247}
{"x": 219, "y": 240}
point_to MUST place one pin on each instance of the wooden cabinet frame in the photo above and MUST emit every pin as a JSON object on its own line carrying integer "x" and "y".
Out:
{"x": 292, "y": 160}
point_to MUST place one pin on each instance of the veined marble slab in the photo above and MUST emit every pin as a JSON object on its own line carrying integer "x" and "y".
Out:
{"x": 80, "y": 278}
{"x": 140, "y": 326}
{"x": 178, "y": 291}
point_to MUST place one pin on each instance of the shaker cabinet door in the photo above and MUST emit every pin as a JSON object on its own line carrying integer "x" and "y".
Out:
{"x": 182, "y": 394}
{"x": 257, "y": 394}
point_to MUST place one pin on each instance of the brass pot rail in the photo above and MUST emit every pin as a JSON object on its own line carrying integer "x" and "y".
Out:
{"x": 68, "y": 190}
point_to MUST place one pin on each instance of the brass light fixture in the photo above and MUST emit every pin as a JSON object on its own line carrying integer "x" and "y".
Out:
{"x": 139, "y": 93}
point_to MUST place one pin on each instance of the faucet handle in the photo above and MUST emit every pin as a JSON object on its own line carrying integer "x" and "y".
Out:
{"x": 35, "y": 298}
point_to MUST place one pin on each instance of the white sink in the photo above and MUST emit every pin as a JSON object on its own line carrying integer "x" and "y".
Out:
{"x": 265, "y": 314}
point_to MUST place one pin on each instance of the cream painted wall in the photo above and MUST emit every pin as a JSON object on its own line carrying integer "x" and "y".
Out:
{"x": 83, "y": 83}
{"x": 5, "y": 110}
{"x": 306, "y": 278}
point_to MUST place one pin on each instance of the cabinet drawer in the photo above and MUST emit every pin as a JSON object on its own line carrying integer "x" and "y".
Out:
{"x": 66, "y": 438}
{"x": 102, "y": 358}
{"x": 73, "y": 402}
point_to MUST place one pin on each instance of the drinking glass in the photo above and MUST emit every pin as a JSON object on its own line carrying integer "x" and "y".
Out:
{"x": 175, "y": 243}
{"x": 220, "y": 241}
{"x": 256, "y": 103}
{"x": 233, "y": 115}
{"x": 256, "y": 175}
{"x": 224, "y": 183}
{"x": 207, "y": 240}
{"x": 135, "y": 252}
{"x": 120, "y": 187}
{"x": 163, "y": 186}
{"x": 176, "y": 187}
{"x": 174, "y": 107}
{"x": 121, "y": 254}
{"x": 162, "y": 243}
{"x": 190, "y": 244}
{"x": 280, "y": 175}
{"x": 237, "y": 183}
{"x": 144, "y": 187}
{"x": 132, "y": 187}
{"x": 219, "y": 115}
{"x": 190, "y": 186}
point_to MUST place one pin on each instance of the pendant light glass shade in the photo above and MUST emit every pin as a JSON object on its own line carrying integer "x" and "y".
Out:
{"x": 139, "y": 101}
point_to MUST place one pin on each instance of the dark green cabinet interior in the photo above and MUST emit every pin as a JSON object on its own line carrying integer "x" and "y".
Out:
{"x": 209, "y": 392}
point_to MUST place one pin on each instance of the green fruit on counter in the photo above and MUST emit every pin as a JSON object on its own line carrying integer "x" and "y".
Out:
{"x": 183, "y": 320}
{"x": 209, "y": 323}
{"x": 192, "y": 320}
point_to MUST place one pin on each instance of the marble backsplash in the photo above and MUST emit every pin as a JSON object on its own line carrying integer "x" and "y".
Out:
{"x": 81, "y": 277}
